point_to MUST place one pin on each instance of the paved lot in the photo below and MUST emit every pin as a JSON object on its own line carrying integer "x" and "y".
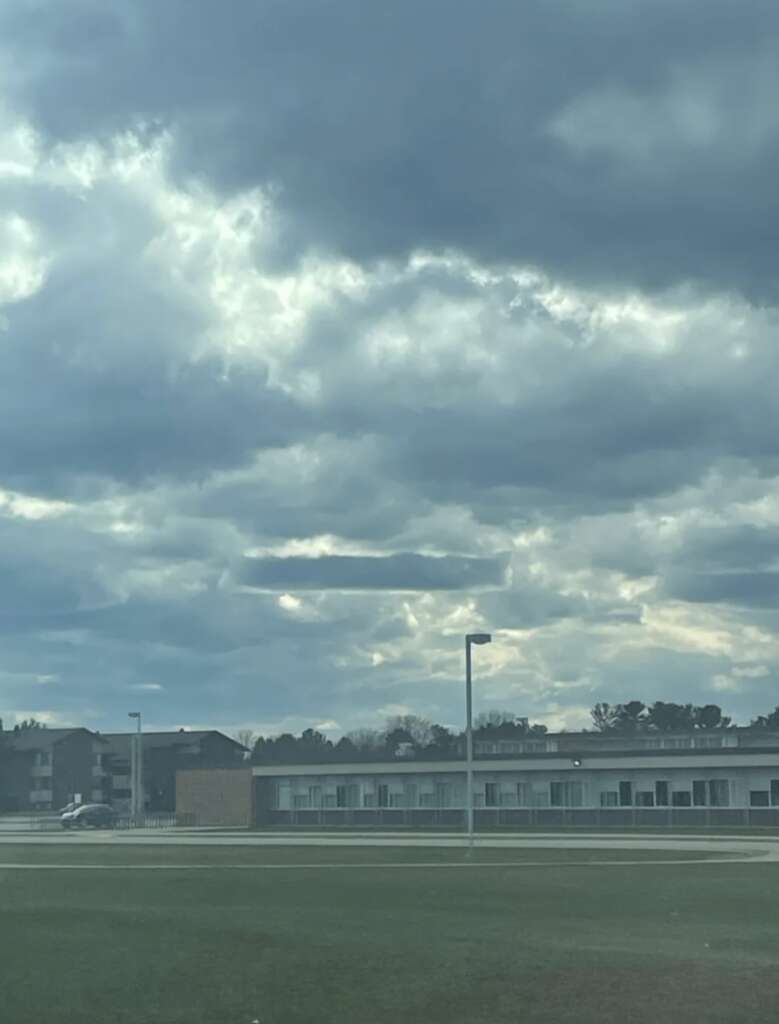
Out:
{"x": 741, "y": 848}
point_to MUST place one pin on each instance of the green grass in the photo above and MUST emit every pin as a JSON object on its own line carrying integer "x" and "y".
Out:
{"x": 558, "y": 944}
{"x": 121, "y": 854}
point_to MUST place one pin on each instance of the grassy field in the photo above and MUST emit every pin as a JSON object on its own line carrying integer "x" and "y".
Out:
{"x": 565, "y": 942}
{"x": 119, "y": 854}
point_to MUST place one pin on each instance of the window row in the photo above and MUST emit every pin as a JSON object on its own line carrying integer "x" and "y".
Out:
{"x": 703, "y": 793}
{"x": 525, "y": 794}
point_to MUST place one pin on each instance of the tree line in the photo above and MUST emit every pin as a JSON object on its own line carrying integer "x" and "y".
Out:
{"x": 413, "y": 736}
{"x": 403, "y": 735}
{"x": 666, "y": 716}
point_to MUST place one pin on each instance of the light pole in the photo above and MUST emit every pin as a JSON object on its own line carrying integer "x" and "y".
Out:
{"x": 136, "y": 770}
{"x": 471, "y": 638}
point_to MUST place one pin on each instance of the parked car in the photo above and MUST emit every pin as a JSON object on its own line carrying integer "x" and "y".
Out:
{"x": 96, "y": 815}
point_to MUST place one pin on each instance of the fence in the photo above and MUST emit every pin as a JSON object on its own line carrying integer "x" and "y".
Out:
{"x": 541, "y": 817}
{"x": 123, "y": 821}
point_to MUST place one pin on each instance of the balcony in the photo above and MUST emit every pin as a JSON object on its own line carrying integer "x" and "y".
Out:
{"x": 40, "y": 771}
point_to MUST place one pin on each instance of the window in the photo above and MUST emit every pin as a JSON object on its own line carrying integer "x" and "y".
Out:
{"x": 626, "y": 794}
{"x": 645, "y": 798}
{"x": 533, "y": 747}
{"x": 699, "y": 793}
{"x": 410, "y": 794}
{"x": 524, "y": 794}
{"x": 661, "y": 794}
{"x": 609, "y": 798}
{"x": 315, "y": 796}
{"x": 347, "y": 796}
{"x": 719, "y": 793}
{"x": 510, "y": 747}
{"x": 43, "y": 758}
{"x": 97, "y": 759}
{"x": 443, "y": 794}
{"x": 397, "y": 800}
{"x": 774, "y": 792}
{"x": 383, "y": 794}
{"x": 301, "y": 801}
{"x": 681, "y": 798}
{"x": 707, "y": 741}
{"x": 758, "y": 798}
{"x": 491, "y": 794}
{"x": 540, "y": 796}
{"x": 565, "y": 794}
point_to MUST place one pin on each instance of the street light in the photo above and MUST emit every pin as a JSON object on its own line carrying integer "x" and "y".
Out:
{"x": 136, "y": 770}
{"x": 471, "y": 638}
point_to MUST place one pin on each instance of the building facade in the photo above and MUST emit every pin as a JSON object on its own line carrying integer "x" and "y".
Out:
{"x": 44, "y": 769}
{"x": 725, "y": 777}
{"x": 165, "y": 754}
{"x": 215, "y": 797}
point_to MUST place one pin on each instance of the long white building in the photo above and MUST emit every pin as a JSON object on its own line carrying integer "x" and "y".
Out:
{"x": 721, "y": 777}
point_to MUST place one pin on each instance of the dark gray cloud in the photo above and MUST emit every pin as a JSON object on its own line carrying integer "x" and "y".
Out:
{"x": 753, "y": 589}
{"x": 733, "y": 547}
{"x": 611, "y": 142}
{"x": 550, "y": 417}
{"x": 406, "y": 571}
{"x": 186, "y": 362}
{"x": 335, "y": 486}
{"x": 101, "y": 378}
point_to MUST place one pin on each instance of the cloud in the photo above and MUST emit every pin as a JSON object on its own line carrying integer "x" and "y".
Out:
{"x": 131, "y": 392}
{"x": 405, "y": 571}
{"x": 760, "y": 589}
{"x": 330, "y": 334}
{"x": 440, "y": 127}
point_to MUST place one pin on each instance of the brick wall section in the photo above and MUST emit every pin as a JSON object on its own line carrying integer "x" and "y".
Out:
{"x": 215, "y": 796}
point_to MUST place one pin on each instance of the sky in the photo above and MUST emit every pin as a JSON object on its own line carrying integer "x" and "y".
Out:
{"x": 332, "y": 331}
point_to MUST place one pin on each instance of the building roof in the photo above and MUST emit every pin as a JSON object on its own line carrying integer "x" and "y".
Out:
{"x": 44, "y": 739}
{"x": 119, "y": 742}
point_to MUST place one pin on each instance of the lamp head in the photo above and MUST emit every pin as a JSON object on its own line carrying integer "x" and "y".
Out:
{"x": 478, "y": 638}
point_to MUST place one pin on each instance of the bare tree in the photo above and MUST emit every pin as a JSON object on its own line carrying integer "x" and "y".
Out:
{"x": 493, "y": 719}
{"x": 29, "y": 724}
{"x": 366, "y": 739}
{"x": 246, "y": 737}
{"x": 419, "y": 729}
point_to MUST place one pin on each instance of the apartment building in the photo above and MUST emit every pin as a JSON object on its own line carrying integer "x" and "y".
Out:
{"x": 164, "y": 754}
{"x": 44, "y": 769}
